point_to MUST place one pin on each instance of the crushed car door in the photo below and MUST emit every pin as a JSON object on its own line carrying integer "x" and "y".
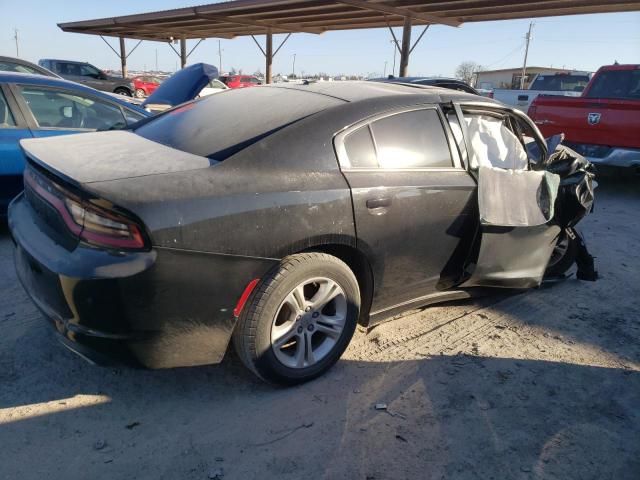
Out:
{"x": 517, "y": 235}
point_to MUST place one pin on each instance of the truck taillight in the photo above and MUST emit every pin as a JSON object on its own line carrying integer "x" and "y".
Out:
{"x": 532, "y": 111}
{"x": 95, "y": 225}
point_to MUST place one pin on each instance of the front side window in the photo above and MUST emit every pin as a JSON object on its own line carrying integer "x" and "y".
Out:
{"x": 413, "y": 139}
{"x": 65, "y": 109}
{"x": 6, "y": 118}
{"x": 89, "y": 71}
{"x": 493, "y": 144}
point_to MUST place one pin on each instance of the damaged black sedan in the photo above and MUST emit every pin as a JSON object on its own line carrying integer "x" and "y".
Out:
{"x": 280, "y": 217}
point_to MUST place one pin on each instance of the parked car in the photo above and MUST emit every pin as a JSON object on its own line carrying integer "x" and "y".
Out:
{"x": 214, "y": 86}
{"x": 450, "y": 83}
{"x": 34, "y": 106}
{"x": 281, "y": 226}
{"x": 182, "y": 86}
{"x": 145, "y": 85}
{"x": 560, "y": 84}
{"x": 17, "y": 65}
{"x": 240, "y": 81}
{"x": 87, "y": 74}
{"x": 604, "y": 123}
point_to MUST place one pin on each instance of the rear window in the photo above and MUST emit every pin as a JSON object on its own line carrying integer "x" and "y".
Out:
{"x": 219, "y": 126}
{"x": 560, "y": 83}
{"x": 621, "y": 84}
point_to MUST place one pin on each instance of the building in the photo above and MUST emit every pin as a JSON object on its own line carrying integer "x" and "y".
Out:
{"x": 510, "y": 77}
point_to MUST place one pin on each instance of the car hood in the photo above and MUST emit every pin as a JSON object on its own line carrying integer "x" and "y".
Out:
{"x": 104, "y": 156}
{"x": 183, "y": 86}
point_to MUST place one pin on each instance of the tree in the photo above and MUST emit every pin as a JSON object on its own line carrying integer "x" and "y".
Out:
{"x": 467, "y": 70}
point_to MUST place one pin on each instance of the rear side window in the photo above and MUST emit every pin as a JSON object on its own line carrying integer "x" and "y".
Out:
{"x": 360, "y": 149}
{"x": 412, "y": 140}
{"x": 560, "y": 83}
{"x": 64, "y": 109}
{"x": 6, "y": 118}
{"x": 16, "y": 67}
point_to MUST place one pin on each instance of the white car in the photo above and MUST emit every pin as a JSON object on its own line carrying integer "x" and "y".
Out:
{"x": 214, "y": 86}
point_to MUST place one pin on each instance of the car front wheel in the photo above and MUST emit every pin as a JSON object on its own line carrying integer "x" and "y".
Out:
{"x": 299, "y": 320}
{"x": 122, "y": 91}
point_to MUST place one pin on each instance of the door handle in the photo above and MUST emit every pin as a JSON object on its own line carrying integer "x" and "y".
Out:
{"x": 378, "y": 202}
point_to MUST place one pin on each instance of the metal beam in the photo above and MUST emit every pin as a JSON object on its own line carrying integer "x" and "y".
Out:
{"x": 195, "y": 46}
{"x": 419, "y": 38}
{"x": 283, "y": 27}
{"x": 406, "y": 47}
{"x": 403, "y": 12}
{"x": 123, "y": 58}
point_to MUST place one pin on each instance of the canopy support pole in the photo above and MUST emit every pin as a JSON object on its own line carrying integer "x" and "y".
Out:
{"x": 183, "y": 52}
{"x": 269, "y": 56}
{"x": 123, "y": 58}
{"x": 406, "y": 47}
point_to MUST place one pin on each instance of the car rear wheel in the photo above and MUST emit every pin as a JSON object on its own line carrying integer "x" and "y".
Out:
{"x": 299, "y": 320}
{"x": 140, "y": 93}
{"x": 122, "y": 91}
{"x": 563, "y": 256}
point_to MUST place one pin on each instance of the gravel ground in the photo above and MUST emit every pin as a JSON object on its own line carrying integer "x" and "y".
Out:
{"x": 543, "y": 384}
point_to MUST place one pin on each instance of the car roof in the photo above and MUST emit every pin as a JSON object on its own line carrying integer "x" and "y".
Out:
{"x": 354, "y": 91}
{"x": 61, "y": 60}
{"x": 35, "y": 66}
{"x": 32, "y": 79}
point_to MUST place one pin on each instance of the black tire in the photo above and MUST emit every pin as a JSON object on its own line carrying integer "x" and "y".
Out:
{"x": 563, "y": 256}
{"x": 122, "y": 91}
{"x": 252, "y": 335}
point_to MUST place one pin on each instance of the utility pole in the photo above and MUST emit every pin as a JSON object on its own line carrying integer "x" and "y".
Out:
{"x": 293, "y": 70}
{"x": 219, "y": 58}
{"x": 384, "y": 74}
{"x": 15, "y": 37}
{"x": 526, "y": 52}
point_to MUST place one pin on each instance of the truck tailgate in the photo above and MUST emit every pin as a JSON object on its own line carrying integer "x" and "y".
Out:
{"x": 607, "y": 122}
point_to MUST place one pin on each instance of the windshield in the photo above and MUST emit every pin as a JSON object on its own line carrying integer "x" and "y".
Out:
{"x": 221, "y": 125}
{"x": 621, "y": 84}
{"x": 560, "y": 83}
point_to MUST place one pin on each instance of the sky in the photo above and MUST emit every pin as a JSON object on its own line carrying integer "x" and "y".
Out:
{"x": 582, "y": 42}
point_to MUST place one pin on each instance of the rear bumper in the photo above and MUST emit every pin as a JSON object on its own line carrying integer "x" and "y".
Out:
{"x": 163, "y": 308}
{"x": 627, "y": 158}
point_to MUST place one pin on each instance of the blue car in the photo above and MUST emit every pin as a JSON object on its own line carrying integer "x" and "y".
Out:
{"x": 34, "y": 106}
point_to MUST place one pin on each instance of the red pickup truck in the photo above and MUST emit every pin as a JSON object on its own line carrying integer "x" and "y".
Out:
{"x": 603, "y": 124}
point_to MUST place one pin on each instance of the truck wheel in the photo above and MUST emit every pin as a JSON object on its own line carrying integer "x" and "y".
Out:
{"x": 299, "y": 320}
{"x": 122, "y": 91}
{"x": 563, "y": 256}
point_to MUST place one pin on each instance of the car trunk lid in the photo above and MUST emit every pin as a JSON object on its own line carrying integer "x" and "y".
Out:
{"x": 104, "y": 156}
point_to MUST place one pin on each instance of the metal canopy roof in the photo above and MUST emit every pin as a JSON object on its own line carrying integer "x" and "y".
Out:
{"x": 254, "y": 17}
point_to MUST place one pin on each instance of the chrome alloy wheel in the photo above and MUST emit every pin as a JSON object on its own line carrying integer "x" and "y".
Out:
{"x": 309, "y": 323}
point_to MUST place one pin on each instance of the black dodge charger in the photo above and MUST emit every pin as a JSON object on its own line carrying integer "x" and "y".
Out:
{"x": 279, "y": 218}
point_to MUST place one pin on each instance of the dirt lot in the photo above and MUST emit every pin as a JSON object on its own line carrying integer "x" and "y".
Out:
{"x": 544, "y": 384}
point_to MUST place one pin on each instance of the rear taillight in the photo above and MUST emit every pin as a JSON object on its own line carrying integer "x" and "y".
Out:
{"x": 94, "y": 225}
{"x": 532, "y": 111}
